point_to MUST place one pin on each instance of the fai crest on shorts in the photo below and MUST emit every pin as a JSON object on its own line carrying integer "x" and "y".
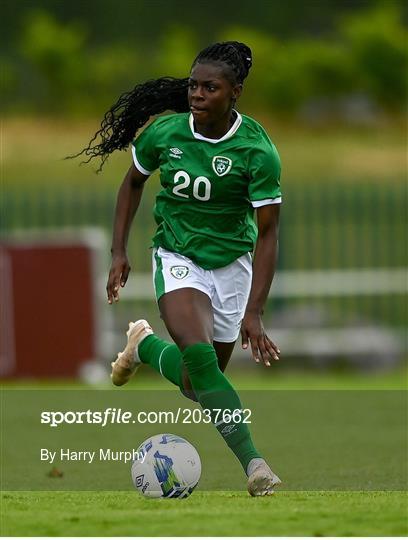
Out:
{"x": 179, "y": 272}
{"x": 221, "y": 165}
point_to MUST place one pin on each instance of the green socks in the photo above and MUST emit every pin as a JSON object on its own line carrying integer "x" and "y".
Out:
{"x": 164, "y": 357}
{"x": 212, "y": 388}
{"x": 214, "y": 392}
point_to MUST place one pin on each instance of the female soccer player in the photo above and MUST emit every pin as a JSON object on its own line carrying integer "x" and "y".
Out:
{"x": 216, "y": 166}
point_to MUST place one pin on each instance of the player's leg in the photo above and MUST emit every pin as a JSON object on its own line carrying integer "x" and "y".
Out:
{"x": 191, "y": 312}
{"x": 171, "y": 271}
{"x": 223, "y": 352}
{"x": 161, "y": 355}
{"x": 187, "y": 314}
{"x": 231, "y": 286}
{"x": 229, "y": 293}
{"x": 166, "y": 358}
{"x": 176, "y": 273}
{"x": 188, "y": 318}
{"x": 196, "y": 318}
{"x": 215, "y": 393}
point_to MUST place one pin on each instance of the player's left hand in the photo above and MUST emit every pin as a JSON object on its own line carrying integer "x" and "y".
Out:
{"x": 262, "y": 347}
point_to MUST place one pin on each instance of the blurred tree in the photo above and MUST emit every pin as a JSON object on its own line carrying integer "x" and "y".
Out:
{"x": 79, "y": 56}
{"x": 112, "y": 70}
{"x": 8, "y": 80}
{"x": 56, "y": 51}
{"x": 146, "y": 20}
{"x": 72, "y": 76}
{"x": 274, "y": 81}
{"x": 177, "y": 50}
{"x": 326, "y": 67}
{"x": 378, "y": 46}
{"x": 369, "y": 56}
{"x": 284, "y": 75}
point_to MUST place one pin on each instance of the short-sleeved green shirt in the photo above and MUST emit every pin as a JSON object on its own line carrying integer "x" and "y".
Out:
{"x": 210, "y": 187}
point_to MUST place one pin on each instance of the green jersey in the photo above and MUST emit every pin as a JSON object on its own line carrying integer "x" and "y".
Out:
{"x": 210, "y": 187}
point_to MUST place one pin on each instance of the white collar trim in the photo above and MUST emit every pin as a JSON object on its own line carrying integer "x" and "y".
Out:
{"x": 228, "y": 135}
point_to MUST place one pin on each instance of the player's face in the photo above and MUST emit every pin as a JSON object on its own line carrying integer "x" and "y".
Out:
{"x": 211, "y": 94}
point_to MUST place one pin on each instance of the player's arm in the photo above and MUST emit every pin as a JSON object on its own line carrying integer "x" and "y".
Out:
{"x": 265, "y": 257}
{"x": 127, "y": 202}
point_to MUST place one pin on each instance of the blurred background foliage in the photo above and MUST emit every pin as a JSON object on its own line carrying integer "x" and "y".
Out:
{"x": 329, "y": 57}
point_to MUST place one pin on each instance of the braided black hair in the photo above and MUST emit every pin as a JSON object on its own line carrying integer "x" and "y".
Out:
{"x": 133, "y": 109}
{"x": 236, "y": 55}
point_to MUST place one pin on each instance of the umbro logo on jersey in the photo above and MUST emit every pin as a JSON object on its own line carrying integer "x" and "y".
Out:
{"x": 175, "y": 153}
{"x": 179, "y": 272}
{"x": 221, "y": 165}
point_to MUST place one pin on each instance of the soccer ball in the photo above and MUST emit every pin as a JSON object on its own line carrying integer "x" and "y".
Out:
{"x": 168, "y": 466}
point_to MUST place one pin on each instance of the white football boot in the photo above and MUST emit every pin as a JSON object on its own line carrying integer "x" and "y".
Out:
{"x": 262, "y": 480}
{"x": 128, "y": 361}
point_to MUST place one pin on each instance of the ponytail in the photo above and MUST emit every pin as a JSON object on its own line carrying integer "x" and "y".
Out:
{"x": 131, "y": 111}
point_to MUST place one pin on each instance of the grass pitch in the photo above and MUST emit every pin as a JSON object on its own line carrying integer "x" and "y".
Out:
{"x": 204, "y": 514}
{"x": 215, "y": 513}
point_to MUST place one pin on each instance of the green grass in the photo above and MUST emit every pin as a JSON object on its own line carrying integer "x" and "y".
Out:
{"x": 231, "y": 513}
{"x": 316, "y": 440}
{"x": 252, "y": 377}
{"x": 205, "y": 514}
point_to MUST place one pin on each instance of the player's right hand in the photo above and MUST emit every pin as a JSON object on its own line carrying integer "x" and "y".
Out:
{"x": 118, "y": 274}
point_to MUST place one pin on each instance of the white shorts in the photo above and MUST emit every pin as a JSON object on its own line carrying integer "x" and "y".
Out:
{"x": 227, "y": 287}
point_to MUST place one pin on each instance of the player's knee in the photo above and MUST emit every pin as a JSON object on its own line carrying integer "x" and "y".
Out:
{"x": 188, "y": 341}
{"x": 200, "y": 359}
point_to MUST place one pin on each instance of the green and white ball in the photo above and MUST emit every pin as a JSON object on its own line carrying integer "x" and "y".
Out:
{"x": 170, "y": 467}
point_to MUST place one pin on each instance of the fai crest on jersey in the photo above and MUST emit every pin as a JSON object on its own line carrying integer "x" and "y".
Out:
{"x": 179, "y": 272}
{"x": 221, "y": 165}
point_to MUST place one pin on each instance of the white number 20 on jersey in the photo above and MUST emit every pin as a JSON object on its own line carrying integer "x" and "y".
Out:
{"x": 201, "y": 186}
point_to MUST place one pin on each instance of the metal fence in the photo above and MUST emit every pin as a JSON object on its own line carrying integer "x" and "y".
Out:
{"x": 340, "y": 225}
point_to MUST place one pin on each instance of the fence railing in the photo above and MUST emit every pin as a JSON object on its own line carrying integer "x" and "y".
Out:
{"x": 335, "y": 225}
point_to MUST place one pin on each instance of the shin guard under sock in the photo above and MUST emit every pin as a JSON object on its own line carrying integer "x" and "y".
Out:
{"x": 215, "y": 393}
